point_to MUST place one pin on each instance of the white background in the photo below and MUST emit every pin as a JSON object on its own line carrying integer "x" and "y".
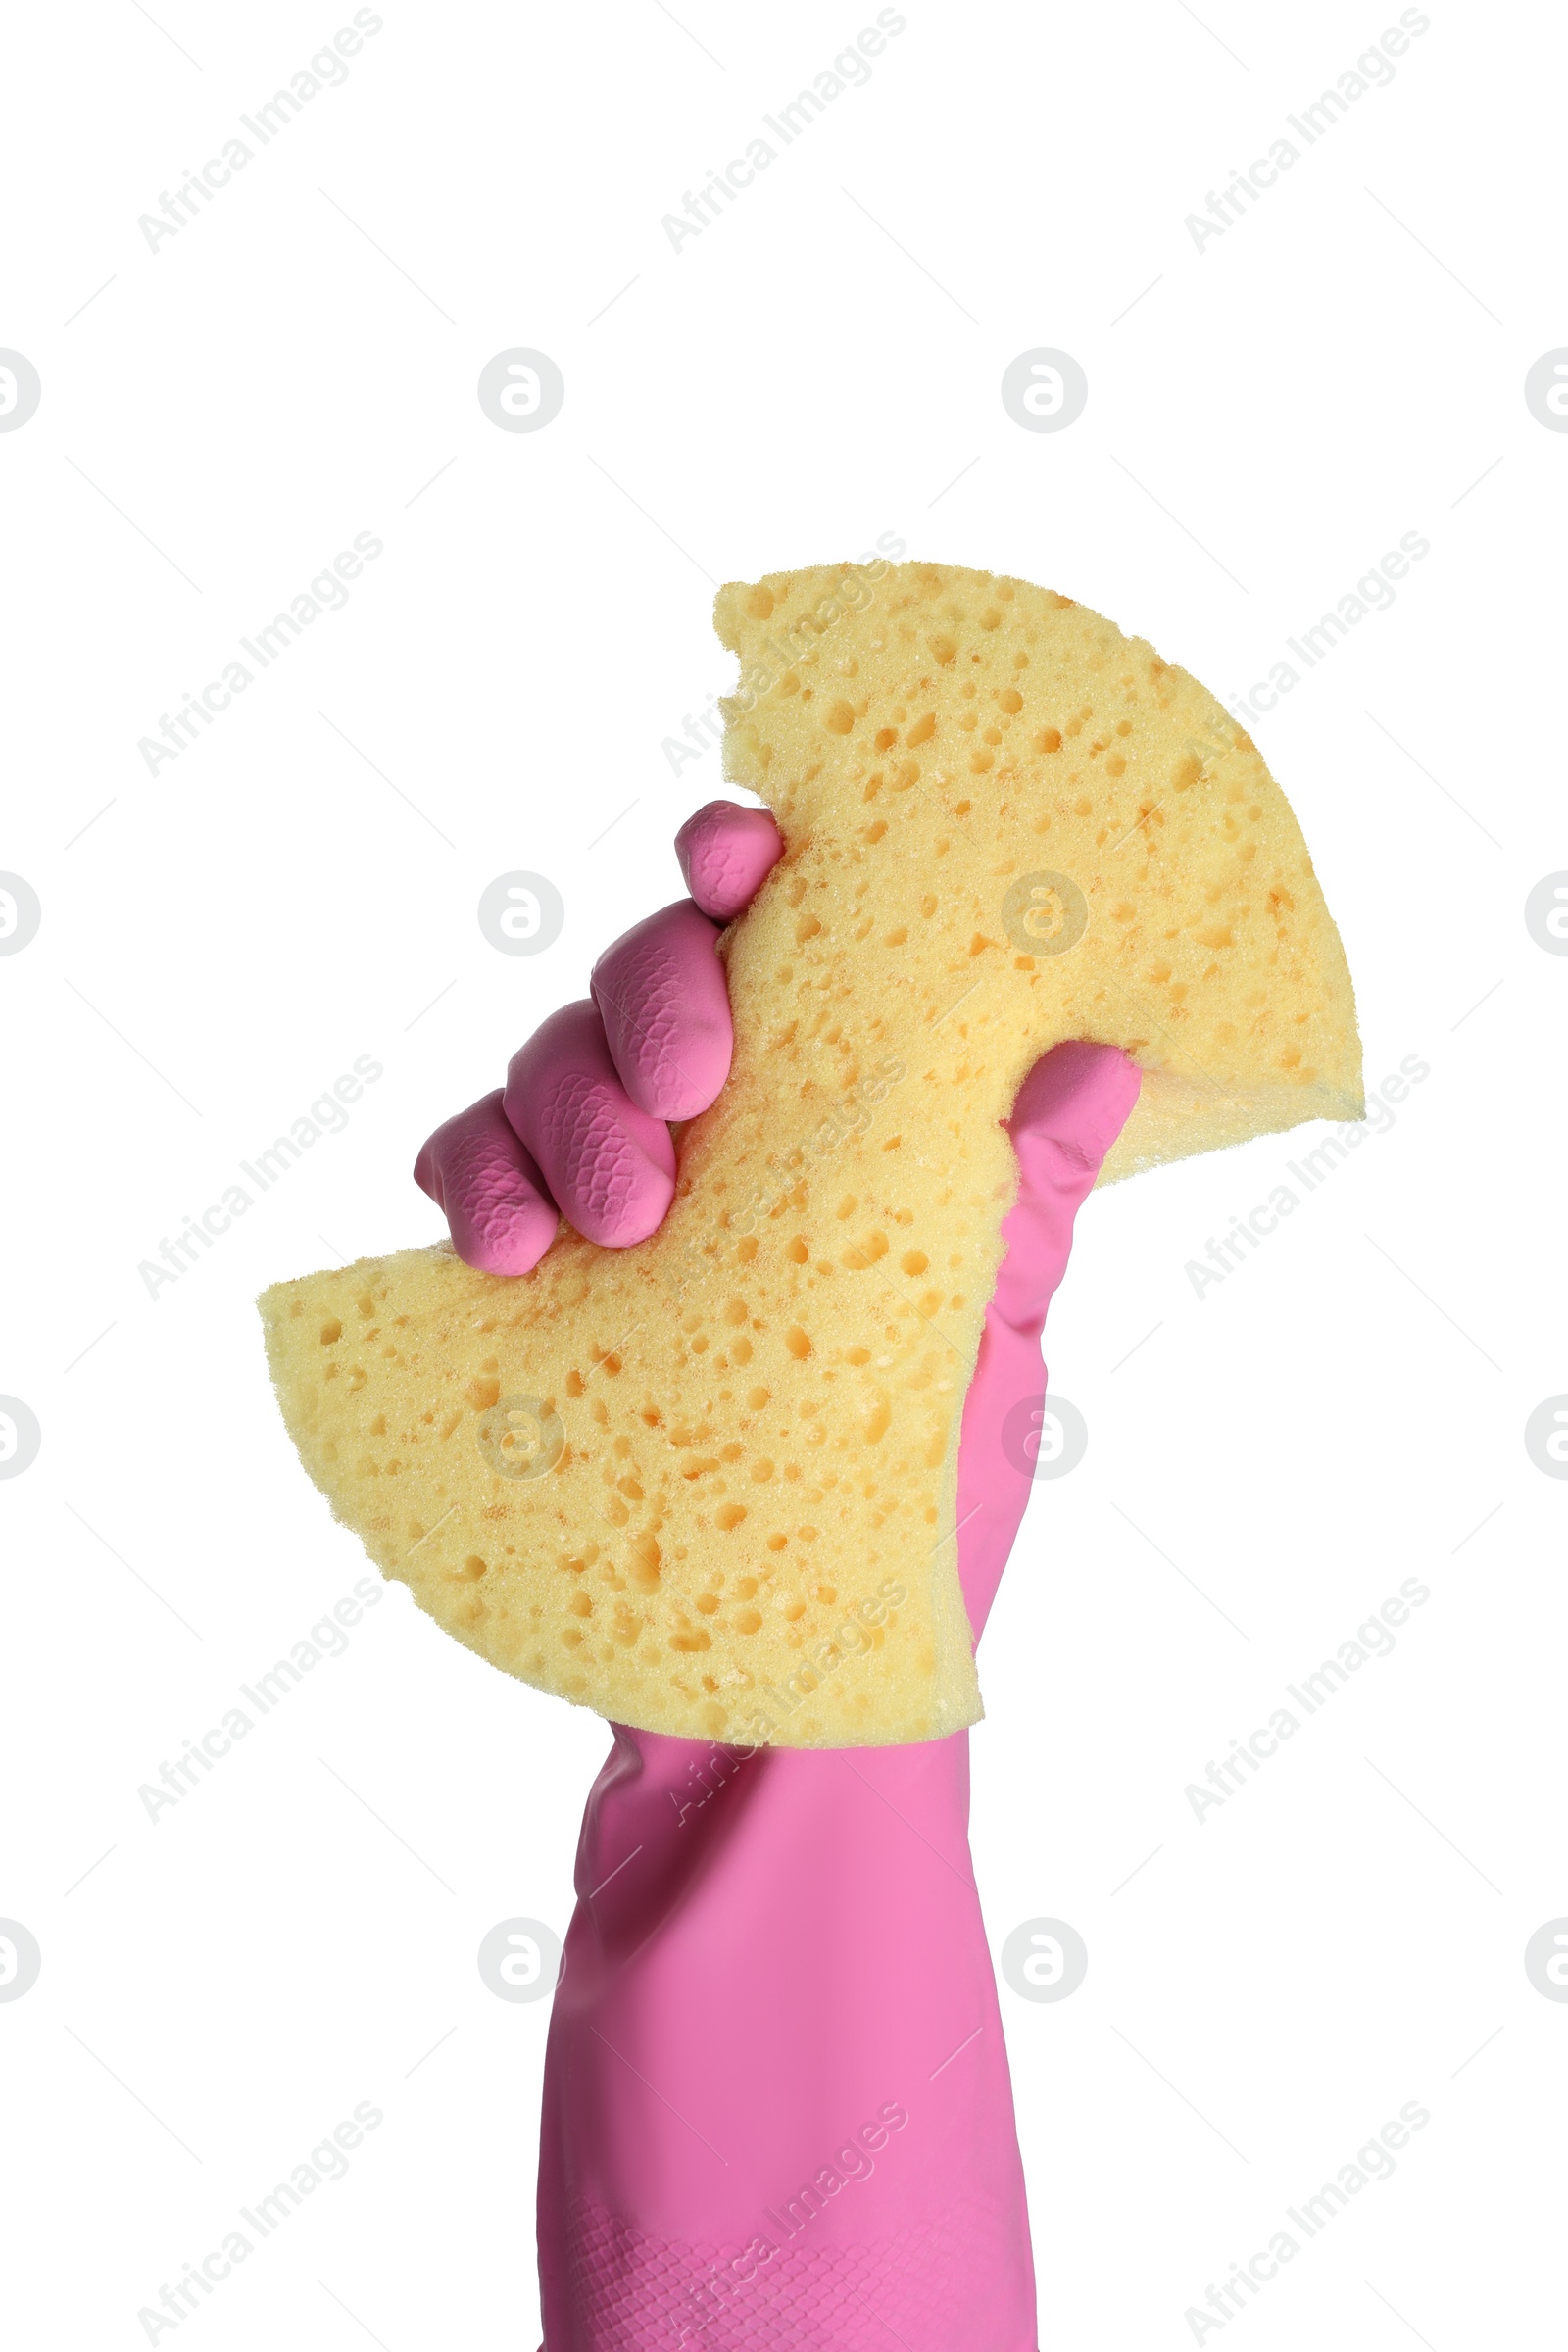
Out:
{"x": 1266, "y": 415}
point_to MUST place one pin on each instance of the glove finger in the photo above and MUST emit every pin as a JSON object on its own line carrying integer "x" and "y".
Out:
{"x": 1068, "y": 1112}
{"x": 610, "y": 1165}
{"x": 726, "y": 853}
{"x": 476, "y": 1168}
{"x": 661, "y": 993}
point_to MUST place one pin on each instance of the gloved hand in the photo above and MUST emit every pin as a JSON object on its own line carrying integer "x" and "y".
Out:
{"x": 777, "y": 2109}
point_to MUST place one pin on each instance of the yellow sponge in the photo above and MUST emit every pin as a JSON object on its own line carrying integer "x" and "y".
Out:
{"x": 705, "y": 1486}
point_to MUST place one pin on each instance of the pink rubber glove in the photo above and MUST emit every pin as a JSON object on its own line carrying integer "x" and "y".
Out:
{"x": 777, "y": 2108}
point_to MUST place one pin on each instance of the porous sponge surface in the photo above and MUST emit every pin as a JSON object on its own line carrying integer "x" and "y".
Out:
{"x": 705, "y": 1486}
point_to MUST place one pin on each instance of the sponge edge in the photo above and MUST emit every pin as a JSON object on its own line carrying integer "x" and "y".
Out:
{"x": 706, "y": 1485}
